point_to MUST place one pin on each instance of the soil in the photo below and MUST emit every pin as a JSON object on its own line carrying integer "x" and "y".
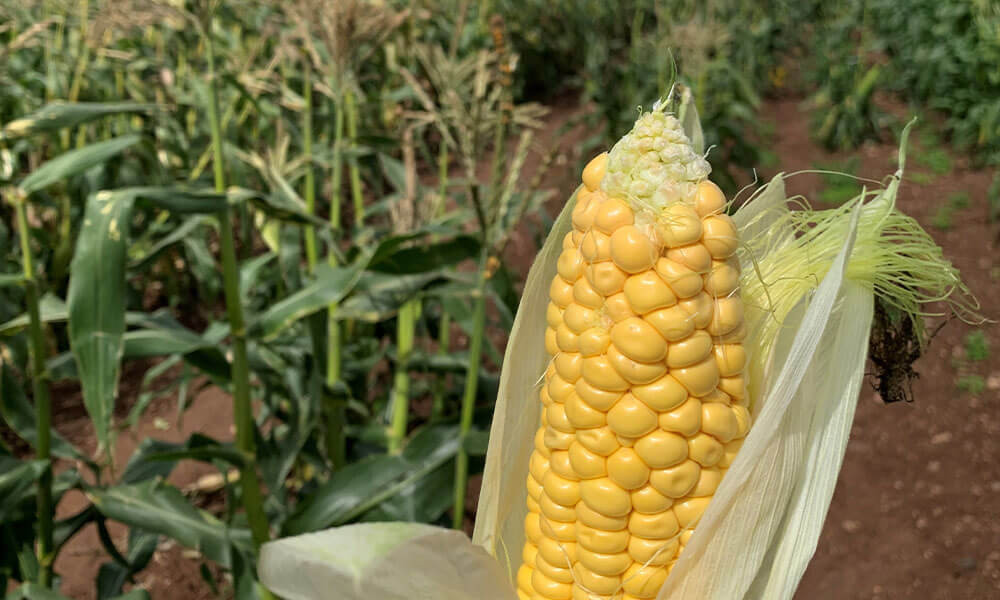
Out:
{"x": 916, "y": 513}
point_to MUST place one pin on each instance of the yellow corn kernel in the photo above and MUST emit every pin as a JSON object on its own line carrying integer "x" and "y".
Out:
{"x": 612, "y": 215}
{"x": 625, "y": 468}
{"x": 685, "y": 419}
{"x": 635, "y": 372}
{"x": 582, "y": 416}
{"x": 676, "y": 481}
{"x": 534, "y": 487}
{"x": 700, "y": 307}
{"x": 586, "y": 464}
{"x": 652, "y": 552}
{"x": 594, "y": 583}
{"x": 682, "y": 281}
{"x": 567, "y": 340}
{"x": 560, "y": 465}
{"x": 708, "y": 482}
{"x": 720, "y": 238}
{"x": 563, "y": 532}
{"x": 600, "y": 440}
{"x": 558, "y": 388}
{"x": 657, "y": 526}
{"x": 731, "y": 358}
{"x": 664, "y": 394}
{"x": 556, "y": 512}
{"x": 594, "y": 341}
{"x": 631, "y": 418}
{"x": 661, "y": 449}
{"x": 596, "y": 246}
{"x": 599, "y": 398}
{"x": 538, "y": 465}
{"x": 570, "y": 265}
{"x": 557, "y": 440}
{"x": 550, "y": 588}
{"x": 643, "y": 581}
{"x": 529, "y": 554}
{"x": 561, "y": 292}
{"x": 690, "y": 510}
{"x": 601, "y": 540}
{"x": 719, "y": 421}
{"x": 705, "y": 450}
{"x": 533, "y": 527}
{"x": 699, "y": 378}
{"x": 639, "y": 340}
{"x": 584, "y": 294}
{"x": 726, "y": 317}
{"x": 593, "y": 173}
{"x": 606, "y": 278}
{"x": 694, "y": 349}
{"x": 608, "y": 565}
{"x": 553, "y": 315}
{"x": 568, "y": 366}
{"x": 605, "y": 497}
{"x": 562, "y": 490}
{"x": 734, "y": 386}
{"x": 709, "y": 199}
{"x": 556, "y": 553}
{"x": 617, "y": 307}
{"x": 647, "y": 292}
{"x": 693, "y": 256}
{"x": 679, "y": 225}
{"x": 591, "y": 518}
{"x": 586, "y": 209}
{"x": 560, "y": 574}
{"x": 632, "y": 250}
{"x": 599, "y": 373}
{"x": 649, "y": 501}
{"x": 579, "y": 318}
{"x": 723, "y": 279}
{"x": 673, "y": 323}
{"x": 551, "y": 344}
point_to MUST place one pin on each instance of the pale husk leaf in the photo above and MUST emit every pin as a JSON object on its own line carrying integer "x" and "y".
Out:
{"x": 388, "y": 561}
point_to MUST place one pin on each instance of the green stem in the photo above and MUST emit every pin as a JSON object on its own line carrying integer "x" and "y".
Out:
{"x": 310, "y": 183}
{"x": 444, "y": 326}
{"x": 351, "y": 109}
{"x": 405, "y": 327}
{"x": 43, "y": 403}
{"x": 469, "y": 396}
{"x": 242, "y": 412}
{"x": 336, "y": 448}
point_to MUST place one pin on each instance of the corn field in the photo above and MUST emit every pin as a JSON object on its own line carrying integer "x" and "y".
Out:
{"x": 324, "y": 213}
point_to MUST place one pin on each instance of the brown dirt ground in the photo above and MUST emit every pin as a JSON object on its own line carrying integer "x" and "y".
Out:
{"x": 916, "y": 512}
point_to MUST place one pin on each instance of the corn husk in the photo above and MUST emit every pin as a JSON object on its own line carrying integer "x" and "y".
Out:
{"x": 809, "y": 282}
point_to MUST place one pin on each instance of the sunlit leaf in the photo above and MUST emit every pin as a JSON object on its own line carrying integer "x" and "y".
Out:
{"x": 96, "y": 301}
{"x": 75, "y": 162}
{"x": 62, "y": 115}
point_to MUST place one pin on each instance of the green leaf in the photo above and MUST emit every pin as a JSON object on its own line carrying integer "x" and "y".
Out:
{"x": 112, "y": 576}
{"x": 140, "y": 259}
{"x": 359, "y": 487}
{"x": 17, "y": 478}
{"x": 379, "y": 295}
{"x": 96, "y": 300}
{"x": 7, "y": 280}
{"x": 198, "y": 447}
{"x": 476, "y": 442}
{"x": 62, "y": 115}
{"x": 182, "y": 200}
{"x": 421, "y": 501}
{"x": 428, "y": 257}
{"x": 75, "y": 162}
{"x": 33, "y": 591}
{"x": 331, "y": 285}
{"x": 161, "y": 508}
{"x": 50, "y": 308}
{"x": 19, "y": 415}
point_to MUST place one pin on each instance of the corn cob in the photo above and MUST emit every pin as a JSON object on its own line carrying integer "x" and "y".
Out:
{"x": 643, "y": 403}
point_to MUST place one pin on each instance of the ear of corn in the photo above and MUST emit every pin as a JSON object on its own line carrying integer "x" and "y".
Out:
{"x": 643, "y": 403}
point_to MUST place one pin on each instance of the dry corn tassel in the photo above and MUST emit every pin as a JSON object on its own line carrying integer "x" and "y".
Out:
{"x": 653, "y": 329}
